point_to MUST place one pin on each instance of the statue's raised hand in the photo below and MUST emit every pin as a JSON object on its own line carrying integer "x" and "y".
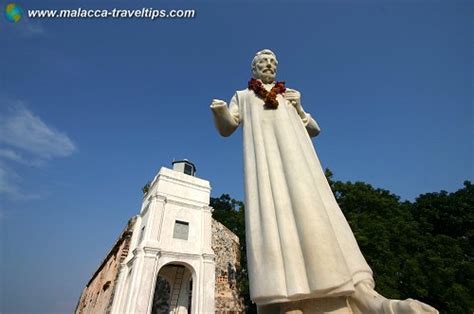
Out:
{"x": 226, "y": 118}
{"x": 218, "y": 103}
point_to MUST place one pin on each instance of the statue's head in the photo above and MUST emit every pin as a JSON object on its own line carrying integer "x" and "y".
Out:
{"x": 264, "y": 66}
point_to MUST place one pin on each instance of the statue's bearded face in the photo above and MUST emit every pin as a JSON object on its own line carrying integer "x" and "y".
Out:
{"x": 265, "y": 68}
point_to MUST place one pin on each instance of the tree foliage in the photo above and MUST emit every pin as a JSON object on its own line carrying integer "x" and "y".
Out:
{"x": 421, "y": 249}
{"x": 146, "y": 187}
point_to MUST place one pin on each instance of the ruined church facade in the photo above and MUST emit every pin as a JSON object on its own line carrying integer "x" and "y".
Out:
{"x": 172, "y": 257}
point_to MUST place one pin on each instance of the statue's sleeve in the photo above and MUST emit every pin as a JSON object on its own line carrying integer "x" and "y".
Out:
{"x": 226, "y": 119}
{"x": 293, "y": 97}
{"x": 311, "y": 125}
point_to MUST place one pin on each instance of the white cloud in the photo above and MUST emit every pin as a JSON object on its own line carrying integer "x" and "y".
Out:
{"x": 9, "y": 185}
{"x": 27, "y": 140}
{"x": 14, "y": 156}
{"x": 21, "y": 129}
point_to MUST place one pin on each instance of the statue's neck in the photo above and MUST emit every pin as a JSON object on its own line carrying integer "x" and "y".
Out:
{"x": 268, "y": 86}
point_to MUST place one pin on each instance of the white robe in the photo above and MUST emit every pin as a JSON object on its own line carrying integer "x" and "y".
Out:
{"x": 299, "y": 244}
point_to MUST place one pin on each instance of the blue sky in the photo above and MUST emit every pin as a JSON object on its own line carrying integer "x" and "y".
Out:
{"x": 91, "y": 109}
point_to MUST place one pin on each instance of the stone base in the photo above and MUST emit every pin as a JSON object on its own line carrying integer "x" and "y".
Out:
{"x": 337, "y": 305}
{"x": 365, "y": 300}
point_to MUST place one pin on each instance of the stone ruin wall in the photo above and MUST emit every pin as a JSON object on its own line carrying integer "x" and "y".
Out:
{"x": 226, "y": 248}
{"x": 99, "y": 292}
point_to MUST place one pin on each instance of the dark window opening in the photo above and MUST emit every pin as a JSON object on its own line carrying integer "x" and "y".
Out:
{"x": 181, "y": 230}
{"x": 188, "y": 169}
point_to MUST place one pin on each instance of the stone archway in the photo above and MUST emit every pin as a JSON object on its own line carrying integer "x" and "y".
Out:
{"x": 173, "y": 290}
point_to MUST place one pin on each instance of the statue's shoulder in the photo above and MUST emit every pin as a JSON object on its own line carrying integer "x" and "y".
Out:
{"x": 290, "y": 89}
{"x": 243, "y": 92}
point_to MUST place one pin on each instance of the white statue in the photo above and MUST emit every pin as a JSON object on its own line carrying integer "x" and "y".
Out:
{"x": 300, "y": 248}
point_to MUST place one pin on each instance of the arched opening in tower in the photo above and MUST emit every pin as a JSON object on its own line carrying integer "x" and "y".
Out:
{"x": 173, "y": 290}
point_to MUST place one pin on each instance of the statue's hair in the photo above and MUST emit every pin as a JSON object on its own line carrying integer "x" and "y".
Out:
{"x": 259, "y": 54}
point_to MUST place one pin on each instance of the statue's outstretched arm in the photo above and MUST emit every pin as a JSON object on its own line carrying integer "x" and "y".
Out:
{"x": 226, "y": 119}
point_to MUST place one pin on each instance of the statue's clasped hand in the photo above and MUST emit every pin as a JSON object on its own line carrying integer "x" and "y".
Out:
{"x": 293, "y": 97}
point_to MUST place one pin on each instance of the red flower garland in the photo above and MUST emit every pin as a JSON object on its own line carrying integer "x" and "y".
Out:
{"x": 268, "y": 96}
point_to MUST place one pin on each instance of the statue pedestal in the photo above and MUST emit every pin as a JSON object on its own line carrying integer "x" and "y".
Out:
{"x": 365, "y": 300}
{"x": 337, "y": 305}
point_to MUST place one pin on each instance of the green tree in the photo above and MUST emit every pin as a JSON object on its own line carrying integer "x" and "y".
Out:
{"x": 146, "y": 187}
{"x": 446, "y": 223}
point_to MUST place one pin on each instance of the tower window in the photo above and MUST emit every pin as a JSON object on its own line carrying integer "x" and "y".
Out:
{"x": 188, "y": 169}
{"x": 181, "y": 230}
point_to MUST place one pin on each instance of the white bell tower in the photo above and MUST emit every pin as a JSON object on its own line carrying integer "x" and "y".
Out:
{"x": 170, "y": 266}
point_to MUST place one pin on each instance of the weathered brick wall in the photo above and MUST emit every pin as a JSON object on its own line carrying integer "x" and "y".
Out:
{"x": 226, "y": 248}
{"x": 98, "y": 294}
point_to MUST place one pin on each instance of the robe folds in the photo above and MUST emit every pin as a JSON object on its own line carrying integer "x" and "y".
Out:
{"x": 299, "y": 244}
